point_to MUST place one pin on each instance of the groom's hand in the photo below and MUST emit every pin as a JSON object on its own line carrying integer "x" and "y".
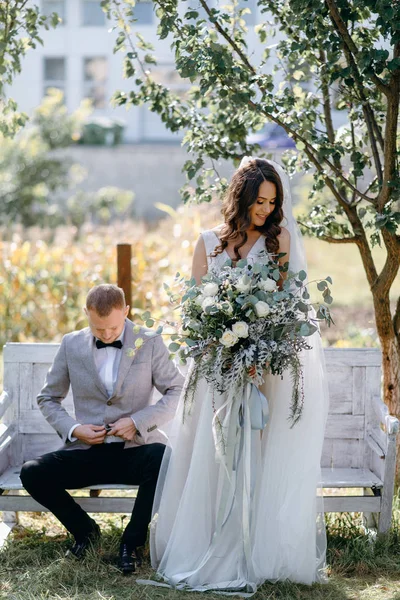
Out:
{"x": 90, "y": 434}
{"x": 123, "y": 428}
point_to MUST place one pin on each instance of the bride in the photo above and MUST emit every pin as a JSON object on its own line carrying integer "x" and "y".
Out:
{"x": 271, "y": 526}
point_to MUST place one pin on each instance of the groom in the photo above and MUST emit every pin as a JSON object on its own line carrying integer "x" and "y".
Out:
{"x": 114, "y": 437}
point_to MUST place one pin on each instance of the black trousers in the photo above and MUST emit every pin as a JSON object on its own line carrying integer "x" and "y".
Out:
{"x": 47, "y": 478}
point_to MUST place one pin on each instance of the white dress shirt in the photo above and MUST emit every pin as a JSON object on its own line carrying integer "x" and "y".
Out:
{"x": 107, "y": 361}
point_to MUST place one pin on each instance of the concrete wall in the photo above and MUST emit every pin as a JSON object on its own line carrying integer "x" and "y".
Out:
{"x": 152, "y": 171}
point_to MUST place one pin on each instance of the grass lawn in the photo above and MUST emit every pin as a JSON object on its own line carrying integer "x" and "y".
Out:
{"x": 33, "y": 567}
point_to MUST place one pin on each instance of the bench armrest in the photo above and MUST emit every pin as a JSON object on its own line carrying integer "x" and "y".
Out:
{"x": 392, "y": 425}
{"x": 5, "y": 402}
{"x": 388, "y": 423}
{"x": 7, "y": 434}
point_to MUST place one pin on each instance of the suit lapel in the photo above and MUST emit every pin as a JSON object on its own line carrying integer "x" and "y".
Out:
{"x": 126, "y": 358}
{"x": 88, "y": 360}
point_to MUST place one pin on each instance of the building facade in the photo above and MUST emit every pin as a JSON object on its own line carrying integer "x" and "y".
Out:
{"x": 77, "y": 57}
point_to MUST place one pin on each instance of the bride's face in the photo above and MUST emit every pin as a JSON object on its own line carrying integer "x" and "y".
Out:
{"x": 264, "y": 205}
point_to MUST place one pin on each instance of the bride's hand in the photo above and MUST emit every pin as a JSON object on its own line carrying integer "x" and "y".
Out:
{"x": 252, "y": 371}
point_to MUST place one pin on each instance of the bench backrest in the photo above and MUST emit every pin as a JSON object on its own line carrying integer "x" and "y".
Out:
{"x": 353, "y": 378}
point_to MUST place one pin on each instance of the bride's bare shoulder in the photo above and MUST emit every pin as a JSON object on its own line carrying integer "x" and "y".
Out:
{"x": 284, "y": 235}
{"x": 284, "y": 241}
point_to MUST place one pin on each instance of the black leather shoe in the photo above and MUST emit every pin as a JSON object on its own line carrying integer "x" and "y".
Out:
{"x": 129, "y": 559}
{"x": 80, "y": 547}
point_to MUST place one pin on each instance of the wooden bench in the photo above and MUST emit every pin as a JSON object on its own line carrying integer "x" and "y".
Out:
{"x": 359, "y": 450}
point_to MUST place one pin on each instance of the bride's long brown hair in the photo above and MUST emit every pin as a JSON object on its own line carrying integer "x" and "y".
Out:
{"x": 242, "y": 194}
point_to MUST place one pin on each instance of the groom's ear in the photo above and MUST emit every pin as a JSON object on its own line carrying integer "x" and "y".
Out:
{"x": 127, "y": 308}
{"x": 85, "y": 310}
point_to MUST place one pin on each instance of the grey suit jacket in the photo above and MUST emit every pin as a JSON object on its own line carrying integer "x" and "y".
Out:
{"x": 137, "y": 376}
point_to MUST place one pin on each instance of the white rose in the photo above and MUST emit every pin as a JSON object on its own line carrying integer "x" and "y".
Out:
{"x": 242, "y": 285}
{"x": 228, "y": 338}
{"x": 199, "y": 300}
{"x": 208, "y": 301}
{"x": 262, "y": 309}
{"x": 240, "y": 329}
{"x": 268, "y": 285}
{"x": 210, "y": 289}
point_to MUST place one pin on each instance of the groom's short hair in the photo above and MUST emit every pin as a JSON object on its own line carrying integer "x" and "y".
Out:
{"x": 104, "y": 298}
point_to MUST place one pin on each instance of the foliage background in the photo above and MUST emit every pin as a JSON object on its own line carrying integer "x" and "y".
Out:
{"x": 46, "y": 274}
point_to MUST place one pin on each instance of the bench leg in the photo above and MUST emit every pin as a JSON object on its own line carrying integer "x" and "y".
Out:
{"x": 9, "y": 521}
{"x": 371, "y": 520}
{"x": 385, "y": 519}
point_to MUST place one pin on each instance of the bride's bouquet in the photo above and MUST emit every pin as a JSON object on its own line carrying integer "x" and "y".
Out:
{"x": 238, "y": 325}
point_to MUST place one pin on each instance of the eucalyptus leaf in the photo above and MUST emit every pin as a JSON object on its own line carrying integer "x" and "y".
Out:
{"x": 241, "y": 263}
{"x": 303, "y": 307}
{"x": 302, "y": 275}
{"x": 174, "y": 347}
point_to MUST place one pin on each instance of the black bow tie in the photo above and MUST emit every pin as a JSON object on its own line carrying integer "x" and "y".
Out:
{"x": 116, "y": 344}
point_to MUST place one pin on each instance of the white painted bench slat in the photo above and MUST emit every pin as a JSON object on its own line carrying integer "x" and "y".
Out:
{"x": 359, "y": 446}
{"x": 331, "y": 478}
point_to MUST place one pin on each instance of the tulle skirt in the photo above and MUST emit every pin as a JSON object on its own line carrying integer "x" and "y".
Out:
{"x": 229, "y": 518}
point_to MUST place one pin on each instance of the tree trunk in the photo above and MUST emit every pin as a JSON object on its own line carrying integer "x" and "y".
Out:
{"x": 390, "y": 347}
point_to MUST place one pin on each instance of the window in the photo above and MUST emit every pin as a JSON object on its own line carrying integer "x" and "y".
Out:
{"x": 95, "y": 80}
{"x": 92, "y": 14}
{"x": 143, "y": 12}
{"x": 54, "y": 6}
{"x": 167, "y": 75}
{"x": 54, "y": 74}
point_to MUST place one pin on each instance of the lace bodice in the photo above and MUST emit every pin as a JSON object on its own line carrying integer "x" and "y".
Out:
{"x": 211, "y": 241}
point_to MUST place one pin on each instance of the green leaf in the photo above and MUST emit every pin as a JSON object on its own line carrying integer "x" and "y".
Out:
{"x": 304, "y": 329}
{"x": 276, "y": 274}
{"x": 174, "y": 347}
{"x": 149, "y": 322}
{"x": 241, "y": 263}
{"x": 321, "y": 285}
{"x": 302, "y": 275}
{"x": 303, "y": 307}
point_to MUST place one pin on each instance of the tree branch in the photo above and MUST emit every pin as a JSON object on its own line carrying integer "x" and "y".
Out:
{"x": 348, "y": 40}
{"x": 392, "y": 116}
{"x": 391, "y": 267}
{"x": 355, "y": 221}
{"x": 368, "y": 114}
{"x": 228, "y": 38}
{"x": 350, "y": 51}
{"x": 326, "y": 101}
{"x": 311, "y": 149}
{"x": 292, "y": 132}
{"x": 330, "y": 239}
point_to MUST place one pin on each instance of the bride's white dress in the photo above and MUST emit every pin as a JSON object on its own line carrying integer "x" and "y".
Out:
{"x": 262, "y": 520}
